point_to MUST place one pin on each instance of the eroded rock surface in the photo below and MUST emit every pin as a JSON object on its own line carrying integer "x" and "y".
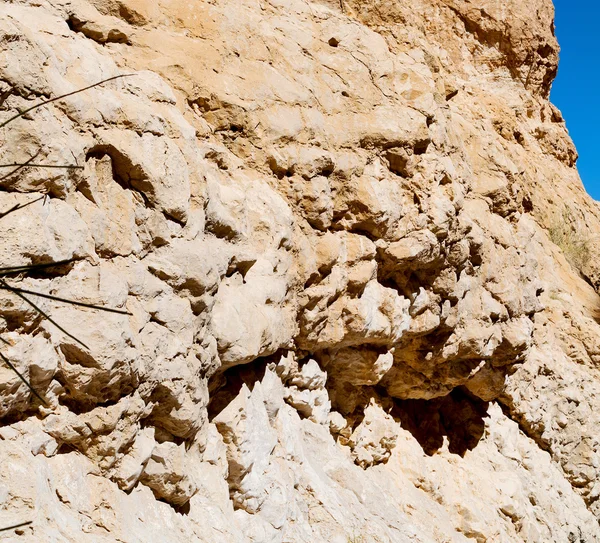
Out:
{"x": 330, "y": 230}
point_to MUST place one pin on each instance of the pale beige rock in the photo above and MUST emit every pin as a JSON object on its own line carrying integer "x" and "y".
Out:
{"x": 358, "y": 366}
{"x": 374, "y": 438}
{"x": 136, "y": 461}
{"x": 36, "y": 360}
{"x": 326, "y": 220}
{"x": 44, "y": 231}
{"x": 166, "y": 474}
{"x": 250, "y": 441}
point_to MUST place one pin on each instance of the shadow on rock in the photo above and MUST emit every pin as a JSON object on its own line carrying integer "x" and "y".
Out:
{"x": 459, "y": 416}
{"x": 224, "y": 387}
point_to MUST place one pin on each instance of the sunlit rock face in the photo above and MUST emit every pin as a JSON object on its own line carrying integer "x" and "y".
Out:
{"x": 354, "y": 265}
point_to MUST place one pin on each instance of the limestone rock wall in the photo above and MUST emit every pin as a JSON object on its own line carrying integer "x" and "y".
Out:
{"x": 334, "y": 227}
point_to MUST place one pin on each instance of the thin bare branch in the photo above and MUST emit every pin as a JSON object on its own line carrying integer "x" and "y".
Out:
{"x": 33, "y": 267}
{"x": 25, "y": 111}
{"x": 21, "y": 206}
{"x": 35, "y": 392}
{"x": 5, "y": 286}
{"x": 19, "y": 167}
{"x": 16, "y": 526}
{"x": 56, "y": 166}
{"x": 41, "y": 312}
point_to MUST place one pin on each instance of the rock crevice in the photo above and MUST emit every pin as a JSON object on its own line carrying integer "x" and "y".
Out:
{"x": 329, "y": 229}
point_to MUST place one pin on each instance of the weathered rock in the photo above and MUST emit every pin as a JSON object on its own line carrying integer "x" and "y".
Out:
{"x": 305, "y": 388}
{"x": 166, "y": 474}
{"x": 323, "y": 225}
{"x": 374, "y": 438}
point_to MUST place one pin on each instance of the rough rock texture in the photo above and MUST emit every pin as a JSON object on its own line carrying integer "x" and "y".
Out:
{"x": 335, "y": 227}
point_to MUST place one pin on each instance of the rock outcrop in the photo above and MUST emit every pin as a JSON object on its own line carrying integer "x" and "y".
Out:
{"x": 352, "y": 261}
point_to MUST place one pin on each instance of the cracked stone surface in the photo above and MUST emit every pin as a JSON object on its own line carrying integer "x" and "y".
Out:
{"x": 330, "y": 230}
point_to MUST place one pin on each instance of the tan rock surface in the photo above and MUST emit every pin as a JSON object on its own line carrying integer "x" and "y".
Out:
{"x": 358, "y": 261}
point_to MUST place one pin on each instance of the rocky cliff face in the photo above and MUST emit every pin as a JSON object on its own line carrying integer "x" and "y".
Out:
{"x": 358, "y": 260}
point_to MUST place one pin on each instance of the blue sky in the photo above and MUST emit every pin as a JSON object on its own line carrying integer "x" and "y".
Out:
{"x": 576, "y": 91}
